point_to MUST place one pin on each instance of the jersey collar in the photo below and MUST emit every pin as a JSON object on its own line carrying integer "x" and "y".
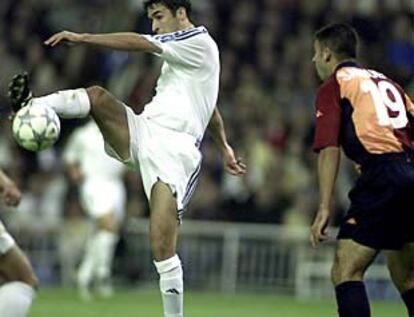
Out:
{"x": 347, "y": 63}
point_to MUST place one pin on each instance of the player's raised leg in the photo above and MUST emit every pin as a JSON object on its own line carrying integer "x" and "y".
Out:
{"x": 108, "y": 112}
{"x": 163, "y": 236}
{"x": 351, "y": 261}
{"x": 111, "y": 117}
{"x": 401, "y": 267}
{"x": 17, "y": 294}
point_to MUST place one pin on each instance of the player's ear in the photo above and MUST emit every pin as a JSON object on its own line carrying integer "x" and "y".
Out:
{"x": 181, "y": 13}
{"x": 326, "y": 54}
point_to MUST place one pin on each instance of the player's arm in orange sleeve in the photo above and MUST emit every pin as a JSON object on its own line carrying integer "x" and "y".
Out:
{"x": 409, "y": 105}
{"x": 125, "y": 41}
{"x": 328, "y": 165}
{"x": 410, "y": 111}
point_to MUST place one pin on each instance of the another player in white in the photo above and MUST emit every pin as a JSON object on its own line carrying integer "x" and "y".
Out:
{"x": 20, "y": 282}
{"x": 165, "y": 138}
{"x": 103, "y": 197}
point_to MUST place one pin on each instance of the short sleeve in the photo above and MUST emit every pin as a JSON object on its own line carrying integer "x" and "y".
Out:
{"x": 185, "y": 48}
{"x": 328, "y": 116}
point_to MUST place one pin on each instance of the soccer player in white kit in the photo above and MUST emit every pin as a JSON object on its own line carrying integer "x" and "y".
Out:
{"x": 102, "y": 195}
{"x": 18, "y": 290}
{"x": 166, "y": 136}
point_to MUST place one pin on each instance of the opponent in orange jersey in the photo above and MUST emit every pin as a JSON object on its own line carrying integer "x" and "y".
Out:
{"x": 370, "y": 117}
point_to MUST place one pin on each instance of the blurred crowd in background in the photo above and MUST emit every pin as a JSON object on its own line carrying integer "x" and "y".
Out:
{"x": 267, "y": 96}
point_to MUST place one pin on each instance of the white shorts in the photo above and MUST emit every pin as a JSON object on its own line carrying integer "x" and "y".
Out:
{"x": 6, "y": 240}
{"x": 100, "y": 197}
{"x": 165, "y": 155}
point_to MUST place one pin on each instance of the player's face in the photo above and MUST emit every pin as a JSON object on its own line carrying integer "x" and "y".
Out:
{"x": 163, "y": 20}
{"x": 320, "y": 60}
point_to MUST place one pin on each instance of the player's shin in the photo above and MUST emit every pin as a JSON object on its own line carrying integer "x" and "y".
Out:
{"x": 67, "y": 103}
{"x": 171, "y": 286}
{"x": 408, "y": 298}
{"x": 352, "y": 299}
{"x": 16, "y": 299}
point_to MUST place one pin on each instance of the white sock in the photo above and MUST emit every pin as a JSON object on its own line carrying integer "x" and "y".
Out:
{"x": 105, "y": 242}
{"x": 16, "y": 299}
{"x": 67, "y": 103}
{"x": 171, "y": 286}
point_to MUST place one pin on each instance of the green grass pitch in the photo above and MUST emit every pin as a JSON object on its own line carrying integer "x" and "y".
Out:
{"x": 65, "y": 303}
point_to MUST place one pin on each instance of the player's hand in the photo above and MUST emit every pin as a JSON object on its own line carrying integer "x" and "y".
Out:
{"x": 64, "y": 36}
{"x": 232, "y": 165}
{"x": 319, "y": 229}
{"x": 10, "y": 194}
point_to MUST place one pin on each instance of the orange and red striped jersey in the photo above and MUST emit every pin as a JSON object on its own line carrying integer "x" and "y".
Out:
{"x": 364, "y": 112}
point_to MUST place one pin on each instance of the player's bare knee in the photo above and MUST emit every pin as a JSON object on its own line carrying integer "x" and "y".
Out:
{"x": 336, "y": 274}
{"x": 344, "y": 271}
{"x": 27, "y": 275}
{"x": 15, "y": 267}
{"x": 31, "y": 279}
{"x": 97, "y": 96}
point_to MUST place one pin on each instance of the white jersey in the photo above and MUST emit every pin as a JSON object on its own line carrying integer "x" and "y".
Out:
{"x": 86, "y": 147}
{"x": 187, "y": 89}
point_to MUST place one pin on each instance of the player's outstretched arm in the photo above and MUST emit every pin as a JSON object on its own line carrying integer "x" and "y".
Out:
{"x": 216, "y": 129}
{"x": 328, "y": 165}
{"x": 9, "y": 192}
{"x": 126, "y": 41}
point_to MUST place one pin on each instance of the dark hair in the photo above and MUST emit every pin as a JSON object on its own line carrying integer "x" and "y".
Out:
{"x": 173, "y": 5}
{"x": 342, "y": 39}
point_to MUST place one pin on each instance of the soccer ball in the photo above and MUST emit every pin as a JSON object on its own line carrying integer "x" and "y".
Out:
{"x": 36, "y": 127}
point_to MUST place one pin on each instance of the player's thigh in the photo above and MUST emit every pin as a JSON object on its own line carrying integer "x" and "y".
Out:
{"x": 14, "y": 266}
{"x": 401, "y": 266}
{"x": 111, "y": 118}
{"x": 163, "y": 221}
{"x": 351, "y": 261}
